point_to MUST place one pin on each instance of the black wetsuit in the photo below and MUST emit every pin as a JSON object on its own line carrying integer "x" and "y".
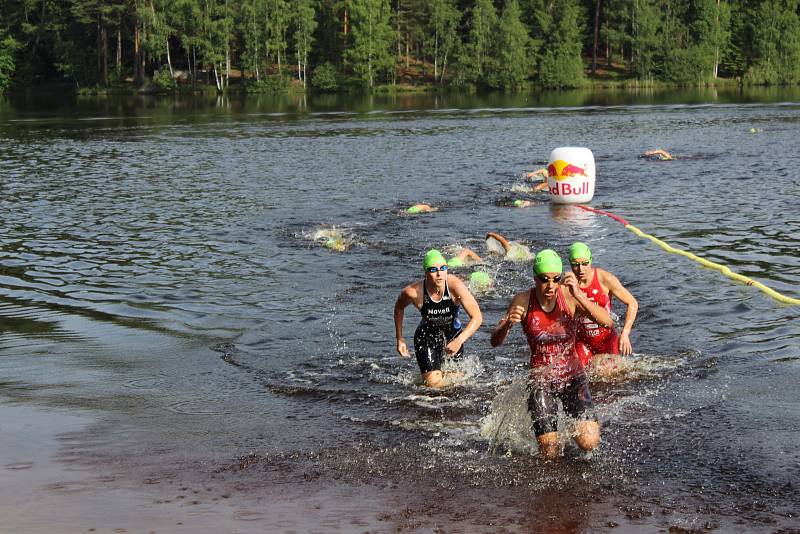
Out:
{"x": 438, "y": 327}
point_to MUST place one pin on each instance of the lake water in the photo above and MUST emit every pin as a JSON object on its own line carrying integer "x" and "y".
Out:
{"x": 161, "y": 271}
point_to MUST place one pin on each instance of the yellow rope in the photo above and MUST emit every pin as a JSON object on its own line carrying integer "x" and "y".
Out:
{"x": 721, "y": 268}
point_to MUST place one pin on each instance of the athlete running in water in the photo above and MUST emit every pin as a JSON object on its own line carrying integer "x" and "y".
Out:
{"x": 547, "y": 313}
{"x": 439, "y": 334}
{"x": 600, "y": 286}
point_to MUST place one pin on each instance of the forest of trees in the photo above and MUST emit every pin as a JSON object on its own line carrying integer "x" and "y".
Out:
{"x": 334, "y": 43}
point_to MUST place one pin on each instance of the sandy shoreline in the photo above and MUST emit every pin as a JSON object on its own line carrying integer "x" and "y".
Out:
{"x": 46, "y": 489}
{"x": 50, "y": 484}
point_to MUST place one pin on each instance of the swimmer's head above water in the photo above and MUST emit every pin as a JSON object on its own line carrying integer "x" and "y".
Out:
{"x": 421, "y": 208}
{"x": 433, "y": 258}
{"x": 547, "y": 261}
{"x": 579, "y": 251}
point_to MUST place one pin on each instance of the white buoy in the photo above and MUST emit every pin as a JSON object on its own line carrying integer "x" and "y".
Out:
{"x": 571, "y": 174}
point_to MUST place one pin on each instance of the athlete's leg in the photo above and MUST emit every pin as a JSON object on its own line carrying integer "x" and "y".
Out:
{"x": 578, "y": 403}
{"x": 429, "y": 351}
{"x": 587, "y": 435}
{"x": 544, "y": 413}
{"x": 434, "y": 379}
{"x": 548, "y": 445}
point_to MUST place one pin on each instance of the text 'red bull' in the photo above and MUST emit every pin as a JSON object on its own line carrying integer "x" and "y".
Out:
{"x": 561, "y": 170}
{"x": 570, "y": 189}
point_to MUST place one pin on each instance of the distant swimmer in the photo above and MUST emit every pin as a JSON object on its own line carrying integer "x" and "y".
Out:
{"x": 513, "y": 250}
{"x": 333, "y": 239}
{"x": 600, "y": 286}
{"x": 657, "y": 155}
{"x": 421, "y": 208}
{"x": 440, "y": 334}
{"x": 547, "y": 313}
{"x": 465, "y": 257}
{"x": 538, "y": 174}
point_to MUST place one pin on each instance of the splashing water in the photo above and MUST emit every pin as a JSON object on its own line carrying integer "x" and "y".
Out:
{"x": 333, "y": 238}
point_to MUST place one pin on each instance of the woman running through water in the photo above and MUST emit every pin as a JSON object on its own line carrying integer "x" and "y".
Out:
{"x": 440, "y": 334}
{"x": 547, "y": 314}
{"x": 600, "y": 286}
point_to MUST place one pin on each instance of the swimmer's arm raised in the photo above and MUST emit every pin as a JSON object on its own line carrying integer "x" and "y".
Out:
{"x": 514, "y": 314}
{"x": 502, "y": 240}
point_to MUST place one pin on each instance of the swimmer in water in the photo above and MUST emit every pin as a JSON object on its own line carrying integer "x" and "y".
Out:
{"x": 538, "y": 174}
{"x": 332, "y": 239}
{"x": 514, "y": 251}
{"x": 657, "y": 155}
{"x": 465, "y": 257}
{"x": 421, "y": 208}
{"x": 546, "y": 312}
{"x": 440, "y": 334}
{"x": 600, "y": 286}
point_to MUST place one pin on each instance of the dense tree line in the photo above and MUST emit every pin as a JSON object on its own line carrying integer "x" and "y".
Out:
{"x": 483, "y": 43}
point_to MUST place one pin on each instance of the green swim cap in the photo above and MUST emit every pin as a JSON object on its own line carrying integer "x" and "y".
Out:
{"x": 413, "y": 209}
{"x": 336, "y": 244}
{"x": 480, "y": 280}
{"x": 433, "y": 257}
{"x": 547, "y": 261}
{"x": 517, "y": 203}
{"x": 455, "y": 262}
{"x": 579, "y": 250}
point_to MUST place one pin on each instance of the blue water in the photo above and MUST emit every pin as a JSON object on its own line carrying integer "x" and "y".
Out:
{"x": 158, "y": 267}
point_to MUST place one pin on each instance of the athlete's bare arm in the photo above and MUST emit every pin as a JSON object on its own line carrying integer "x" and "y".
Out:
{"x": 462, "y": 296}
{"x": 409, "y": 295}
{"x": 502, "y": 240}
{"x": 616, "y": 289}
{"x": 514, "y": 314}
{"x": 577, "y": 298}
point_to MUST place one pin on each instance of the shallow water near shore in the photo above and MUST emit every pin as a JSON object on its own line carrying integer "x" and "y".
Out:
{"x": 165, "y": 282}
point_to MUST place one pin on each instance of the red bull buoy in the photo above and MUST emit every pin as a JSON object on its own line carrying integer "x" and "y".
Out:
{"x": 570, "y": 175}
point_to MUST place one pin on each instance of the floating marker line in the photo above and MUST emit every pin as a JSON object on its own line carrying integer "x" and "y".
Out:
{"x": 710, "y": 264}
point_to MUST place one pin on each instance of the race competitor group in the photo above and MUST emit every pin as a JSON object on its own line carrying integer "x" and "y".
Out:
{"x": 566, "y": 317}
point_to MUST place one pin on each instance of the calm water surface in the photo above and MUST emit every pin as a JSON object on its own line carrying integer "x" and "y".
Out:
{"x": 159, "y": 267}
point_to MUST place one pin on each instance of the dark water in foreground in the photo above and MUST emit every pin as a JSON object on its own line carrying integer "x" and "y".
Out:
{"x": 159, "y": 267}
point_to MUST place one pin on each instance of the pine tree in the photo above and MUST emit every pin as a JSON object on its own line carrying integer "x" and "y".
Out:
{"x": 513, "y": 48}
{"x": 372, "y": 39}
{"x": 561, "y": 65}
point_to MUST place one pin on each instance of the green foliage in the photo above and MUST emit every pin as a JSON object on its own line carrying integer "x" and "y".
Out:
{"x": 163, "y": 80}
{"x": 776, "y": 44}
{"x": 274, "y": 83}
{"x": 89, "y": 42}
{"x": 476, "y": 60}
{"x": 688, "y": 66}
{"x": 561, "y": 65}
{"x": 650, "y": 23}
{"x": 513, "y": 46}
{"x": 325, "y": 78}
{"x": 441, "y": 34}
{"x": 372, "y": 39}
{"x": 305, "y": 24}
{"x": 8, "y": 47}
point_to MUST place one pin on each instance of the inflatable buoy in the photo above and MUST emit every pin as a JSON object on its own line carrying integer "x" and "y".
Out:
{"x": 571, "y": 175}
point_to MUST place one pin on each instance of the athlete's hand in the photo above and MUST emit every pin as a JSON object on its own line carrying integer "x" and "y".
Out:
{"x": 625, "y": 346}
{"x": 402, "y": 348}
{"x": 571, "y": 281}
{"x": 453, "y": 347}
{"x": 515, "y": 315}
